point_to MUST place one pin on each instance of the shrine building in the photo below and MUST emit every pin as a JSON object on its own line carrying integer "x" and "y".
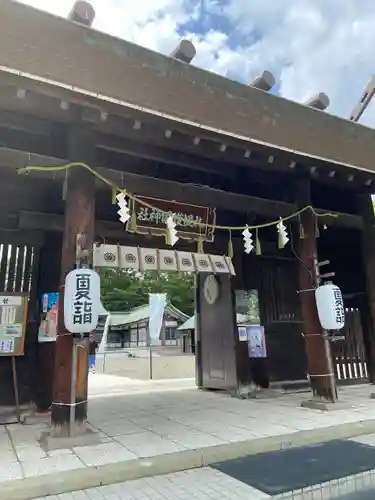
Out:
{"x": 85, "y": 116}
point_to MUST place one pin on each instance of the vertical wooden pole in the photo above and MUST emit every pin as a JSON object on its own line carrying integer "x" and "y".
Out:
{"x": 366, "y": 210}
{"x": 197, "y": 333}
{"x": 79, "y": 219}
{"x": 322, "y": 379}
{"x": 15, "y": 385}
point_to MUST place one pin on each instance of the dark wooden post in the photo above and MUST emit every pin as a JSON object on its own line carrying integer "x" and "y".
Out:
{"x": 366, "y": 210}
{"x": 49, "y": 279}
{"x": 79, "y": 219}
{"x": 322, "y": 379}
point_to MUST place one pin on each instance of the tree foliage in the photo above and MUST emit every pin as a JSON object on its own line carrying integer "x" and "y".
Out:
{"x": 122, "y": 290}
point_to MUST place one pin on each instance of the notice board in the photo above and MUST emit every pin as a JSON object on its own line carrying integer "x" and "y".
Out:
{"x": 13, "y": 319}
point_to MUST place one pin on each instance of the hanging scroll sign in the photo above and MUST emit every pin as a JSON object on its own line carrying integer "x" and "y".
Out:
{"x": 330, "y": 306}
{"x": 81, "y": 301}
{"x": 153, "y": 220}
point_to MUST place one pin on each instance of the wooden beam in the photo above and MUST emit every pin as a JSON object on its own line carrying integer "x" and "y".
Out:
{"x": 16, "y": 159}
{"x": 43, "y": 101}
{"x": 53, "y": 222}
{"x": 148, "y": 186}
{"x": 149, "y": 151}
{"x": 37, "y": 104}
{"x": 191, "y": 142}
{"x": 49, "y": 95}
{"x": 22, "y": 237}
{"x": 25, "y": 123}
{"x": 199, "y": 195}
{"x": 183, "y": 192}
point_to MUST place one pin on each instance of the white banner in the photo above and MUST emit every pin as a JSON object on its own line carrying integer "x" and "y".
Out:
{"x": 157, "y": 303}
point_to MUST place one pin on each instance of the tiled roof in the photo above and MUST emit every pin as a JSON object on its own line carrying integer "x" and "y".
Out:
{"x": 142, "y": 314}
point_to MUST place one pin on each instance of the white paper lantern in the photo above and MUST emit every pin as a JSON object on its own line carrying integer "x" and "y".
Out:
{"x": 330, "y": 306}
{"x": 81, "y": 301}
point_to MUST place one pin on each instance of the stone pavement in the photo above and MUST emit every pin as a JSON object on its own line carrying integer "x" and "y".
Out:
{"x": 210, "y": 484}
{"x": 148, "y": 429}
{"x": 197, "y": 484}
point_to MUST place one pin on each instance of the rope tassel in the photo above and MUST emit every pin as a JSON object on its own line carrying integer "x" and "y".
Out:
{"x": 317, "y": 230}
{"x": 200, "y": 246}
{"x": 168, "y": 239}
{"x": 133, "y": 222}
{"x": 230, "y": 246}
{"x": 301, "y": 230}
{"x": 65, "y": 186}
{"x": 258, "y": 247}
{"x": 114, "y": 194}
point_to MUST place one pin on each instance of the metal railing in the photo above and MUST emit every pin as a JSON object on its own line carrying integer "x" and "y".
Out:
{"x": 145, "y": 364}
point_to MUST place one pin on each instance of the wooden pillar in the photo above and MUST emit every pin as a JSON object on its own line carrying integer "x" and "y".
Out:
{"x": 366, "y": 210}
{"x": 197, "y": 333}
{"x": 79, "y": 219}
{"x": 320, "y": 366}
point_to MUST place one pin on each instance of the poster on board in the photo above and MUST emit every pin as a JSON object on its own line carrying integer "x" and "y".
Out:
{"x": 242, "y": 333}
{"x": 48, "y": 321}
{"x": 256, "y": 341}
{"x": 13, "y": 319}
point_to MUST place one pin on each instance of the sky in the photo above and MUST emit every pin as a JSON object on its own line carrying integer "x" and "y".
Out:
{"x": 310, "y": 45}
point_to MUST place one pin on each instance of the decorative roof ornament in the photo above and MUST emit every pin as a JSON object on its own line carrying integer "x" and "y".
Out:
{"x": 82, "y": 13}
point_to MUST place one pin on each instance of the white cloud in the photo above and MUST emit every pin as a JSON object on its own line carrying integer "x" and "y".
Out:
{"x": 311, "y": 45}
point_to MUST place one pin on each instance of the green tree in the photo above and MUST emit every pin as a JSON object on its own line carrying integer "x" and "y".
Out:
{"x": 123, "y": 290}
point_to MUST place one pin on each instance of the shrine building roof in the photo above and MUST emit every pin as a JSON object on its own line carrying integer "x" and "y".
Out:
{"x": 69, "y": 56}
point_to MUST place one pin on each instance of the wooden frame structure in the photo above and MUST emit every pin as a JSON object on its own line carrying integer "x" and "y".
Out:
{"x": 161, "y": 127}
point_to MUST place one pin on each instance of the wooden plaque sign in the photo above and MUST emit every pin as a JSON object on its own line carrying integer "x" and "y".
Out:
{"x": 13, "y": 319}
{"x": 154, "y": 220}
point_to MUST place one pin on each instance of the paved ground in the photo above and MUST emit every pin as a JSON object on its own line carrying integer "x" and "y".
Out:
{"x": 211, "y": 484}
{"x": 153, "y": 428}
{"x": 201, "y": 484}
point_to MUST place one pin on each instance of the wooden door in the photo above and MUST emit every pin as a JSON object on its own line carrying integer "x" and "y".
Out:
{"x": 216, "y": 337}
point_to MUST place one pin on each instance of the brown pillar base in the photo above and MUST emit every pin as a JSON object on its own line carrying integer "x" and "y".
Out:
{"x": 45, "y": 370}
{"x": 318, "y": 404}
{"x": 35, "y": 418}
{"x": 88, "y": 438}
{"x": 64, "y": 424}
